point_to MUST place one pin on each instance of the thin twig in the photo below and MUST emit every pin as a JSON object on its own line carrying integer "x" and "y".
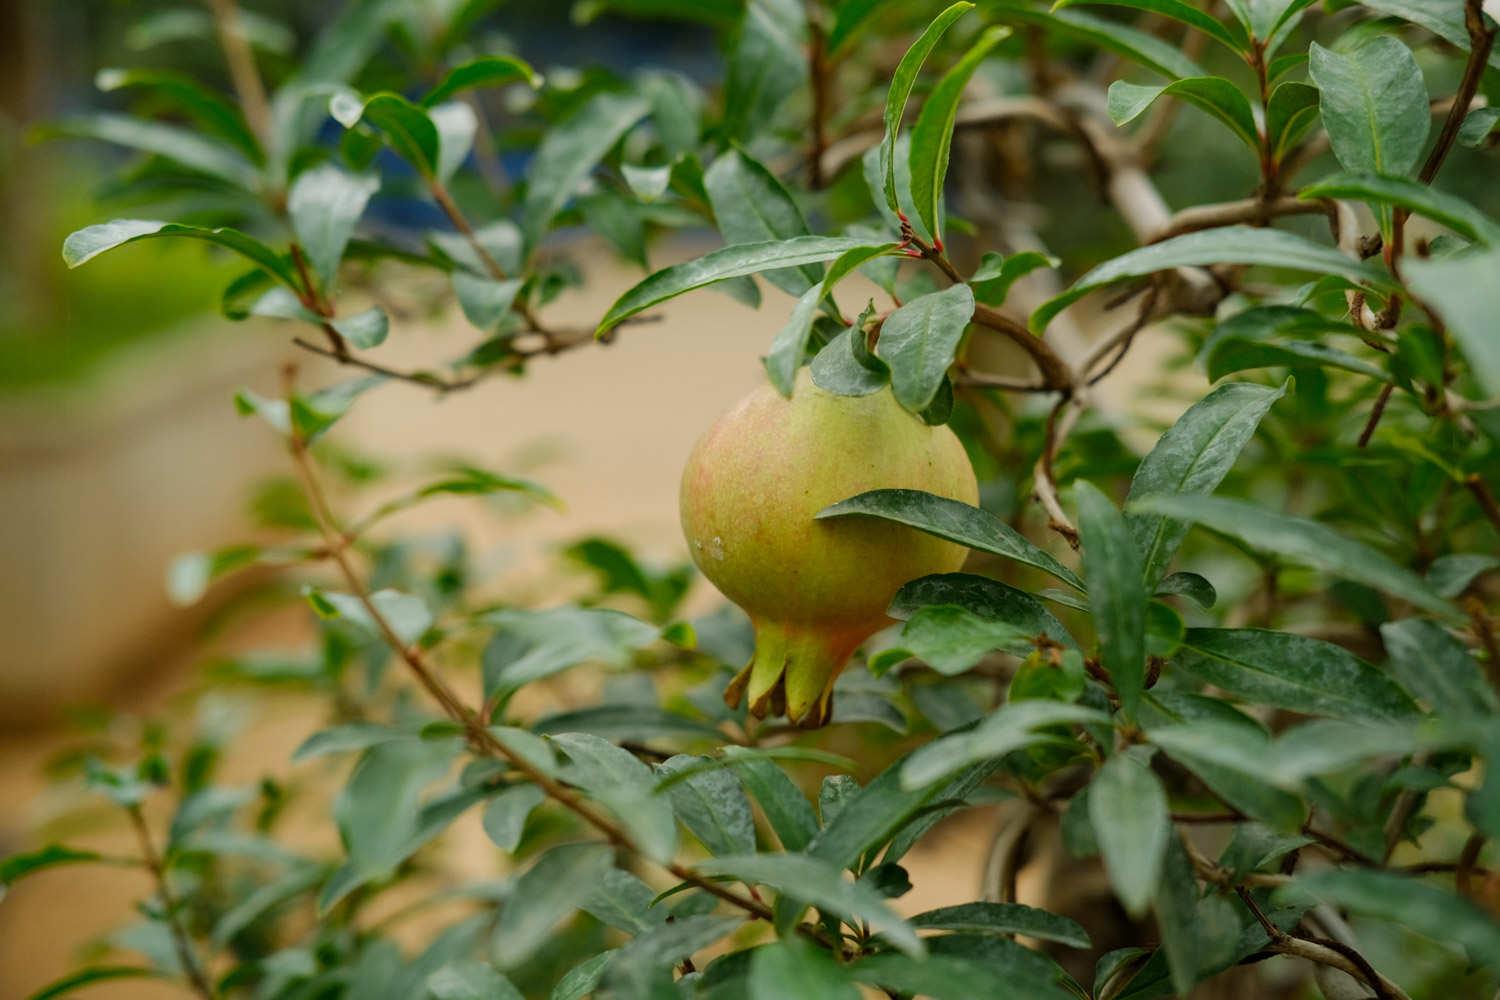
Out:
{"x": 1486, "y": 499}
{"x": 1120, "y": 341}
{"x": 1375, "y": 414}
{"x": 187, "y": 955}
{"x": 243, "y": 73}
{"x": 1481, "y": 41}
{"x": 1228, "y": 213}
{"x": 817, "y": 69}
{"x": 1059, "y": 422}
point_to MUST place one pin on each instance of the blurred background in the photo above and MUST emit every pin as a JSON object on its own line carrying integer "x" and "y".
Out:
{"x": 120, "y": 447}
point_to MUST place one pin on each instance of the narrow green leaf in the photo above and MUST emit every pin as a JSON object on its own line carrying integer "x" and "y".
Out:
{"x": 1380, "y": 189}
{"x": 848, "y": 17}
{"x": 1232, "y": 36}
{"x": 1193, "y": 457}
{"x": 406, "y": 614}
{"x": 727, "y": 262}
{"x": 544, "y": 894}
{"x": 1300, "y": 541}
{"x": 1445, "y": 20}
{"x": 967, "y": 966}
{"x": 1013, "y": 726}
{"x": 991, "y": 281}
{"x": 532, "y": 645}
{"x": 405, "y": 126}
{"x": 1436, "y": 667}
{"x": 1227, "y": 245}
{"x": 786, "y": 808}
{"x": 790, "y": 345}
{"x": 1212, "y": 94}
{"x": 505, "y": 816}
{"x": 767, "y": 64}
{"x": 486, "y": 71}
{"x": 1463, "y": 291}
{"x": 569, "y": 152}
{"x": 76, "y": 981}
{"x": 986, "y": 598}
{"x": 484, "y": 301}
{"x": 84, "y": 245}
{"x": 1128, "y": 808}
{"x": 1132, "y": 43}
{"x": 1271, "y": 336}
{"x": 813, "y": 881}
{"x": 190, "y": 149}
{"x": 932, "y": 135}
{"x": 955, "y": 521}
{"x": 919, "y": 341}
{"x": 712, "y": 805}
{"x": 1374, "y": 104}
{"x": 846, "y": 366}
{"x": 1004, "y": 918}
{"x": 1479, "y": 128}
{"x": 952, "y": 640}
{"x": 1407, "y": 902}
{"x": 623, "y": 783}
{"x": 794, "y": 968}
{"x": 1293, "y": 672}
{"x": 1292, "y": 110}
{"x": 208, "y": 110}
{"x": 1117, "y": 594}
{"x": 364, "y": 329}
{"x": 752, "y": 206}
{"x": 325, "y": 204}
{"x": 902, "y": 81}
{"x": 17, "y": 866}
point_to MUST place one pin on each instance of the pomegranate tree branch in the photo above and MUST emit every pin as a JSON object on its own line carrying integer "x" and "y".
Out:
{"x": 243, "y": 73}
{"x": 1481, "y": 42}
{"x": 817, "y": 71}
{"x": 480, "y": 738}
{"x": 182, "y": 943}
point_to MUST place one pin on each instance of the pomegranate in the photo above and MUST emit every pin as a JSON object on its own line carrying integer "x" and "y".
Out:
{"x": 815, "y": 590}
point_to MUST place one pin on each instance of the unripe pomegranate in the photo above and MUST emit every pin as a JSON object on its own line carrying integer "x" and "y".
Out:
{"x": 815, "y": 590}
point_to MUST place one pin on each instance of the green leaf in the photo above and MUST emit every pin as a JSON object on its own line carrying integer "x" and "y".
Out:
{"x": 1128, "y": 808}
{"x": 178, "y": 24}
{"x": 505, "y": 816}
{"x": 349, "y": 737}
{"x": 932, "y": 135}
{"x": 1374, "y": 104}
{"x": 190, "y": 575}
{"x": 465, "y": 481}
{"x": 1451, "y": 575}
{"x": 582, "y": 979}
{"x": 627, "y": 722}
{"x": 406, "y": 614}
{"x": 1006, "y": 919}
{"x": 1193, "y": 457}
{"x": 966, "y": 966}
{"x": 531, "y": 645}
{"x": 991, "y": 281}
{"x": 790, "y": 345}
{"x": 1200, "y": 934}
{"x": 986, "y": 598}
{"x": 618, "y": 780}
{"x": 726, "y": 262}
{"x": 1117, "y": 594}
{"x": 752, "y": 206}
{"x": 646, "y": 183}
{"x": 1234, "y": 37}
{"x": 846, "y": 367}
{"x": 1265, "y": 337}
{"x": 17, "y": 866}
{"x": 486, "y": 71}
{"x": 767, "y": 64}
{"x": 84, "y": 245}
{"x": 902, "y": 81}
{"x": 569, "y": 152}
{"x": 1011, "y": 727}
{"x": 1442, "y": 19}
{"x": 1292, "y": 671}
{"x": 75, "y": 981}
{"x": 363, "y": 330}
{"x": 297, "y": 881}
{"x": 212, "y": 113}
{"x": 786, "y": 808}
{"x": 1292, "y": 110}
{"x": 1479, "y": 128}
{"x": 1212, "y": 94}
{"x": 191, "y": 150}
{"x": 955, "y": 521}
{"x": 849, "y": 17}
{"x": 1132, "y": 43}
{"x": 1300, "y": 541}
{"x": 816, "y": 882}
{"x": 625, "y": 902}
{"x": 952, "y": 640}
{"x": 1227, "y": 245}
{"x": 1463, "y": 291}
{"x": 325, "y": 204}
{"x": 378, "y": 811}
{"x": 470, "y": 979}
{"x": 712, "y": 805}
{"x": 544, "y": 894}
{"x": 1436, "y": 667}
{"x": 643, "y": 968}
{"x": 1380, "y": 189}
{"x": 1407, "y": 902}
{"x": 1190, "y": 585}
{"x": 457, "y": 124}
{"x": 919, "y": 341}
{"x": 484, "y": 301}
{"x": 794, "y": 968}
{"x": 406, "y": 127}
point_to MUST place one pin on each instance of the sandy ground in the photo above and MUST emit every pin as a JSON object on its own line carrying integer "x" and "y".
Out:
{"x": 607, "y": 428}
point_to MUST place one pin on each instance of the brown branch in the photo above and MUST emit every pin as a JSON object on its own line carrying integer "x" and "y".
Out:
{"x": 1337, "y": 956}
{"x": 480, "y": 738}
{"x": 1229, "y": 213}
{"x": 1376, "y": 412}
{"x": 1481, "y": 41}
{"x": 1486, "y": 499}
{"x": 243, "y": 73}
{"x": 1121, "y": 340}
{"x": 187, "y": 955}
{"x": 1059, "y": 422}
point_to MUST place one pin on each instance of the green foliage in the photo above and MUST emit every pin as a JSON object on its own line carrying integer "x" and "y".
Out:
{"x": 1271, "y": 615}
